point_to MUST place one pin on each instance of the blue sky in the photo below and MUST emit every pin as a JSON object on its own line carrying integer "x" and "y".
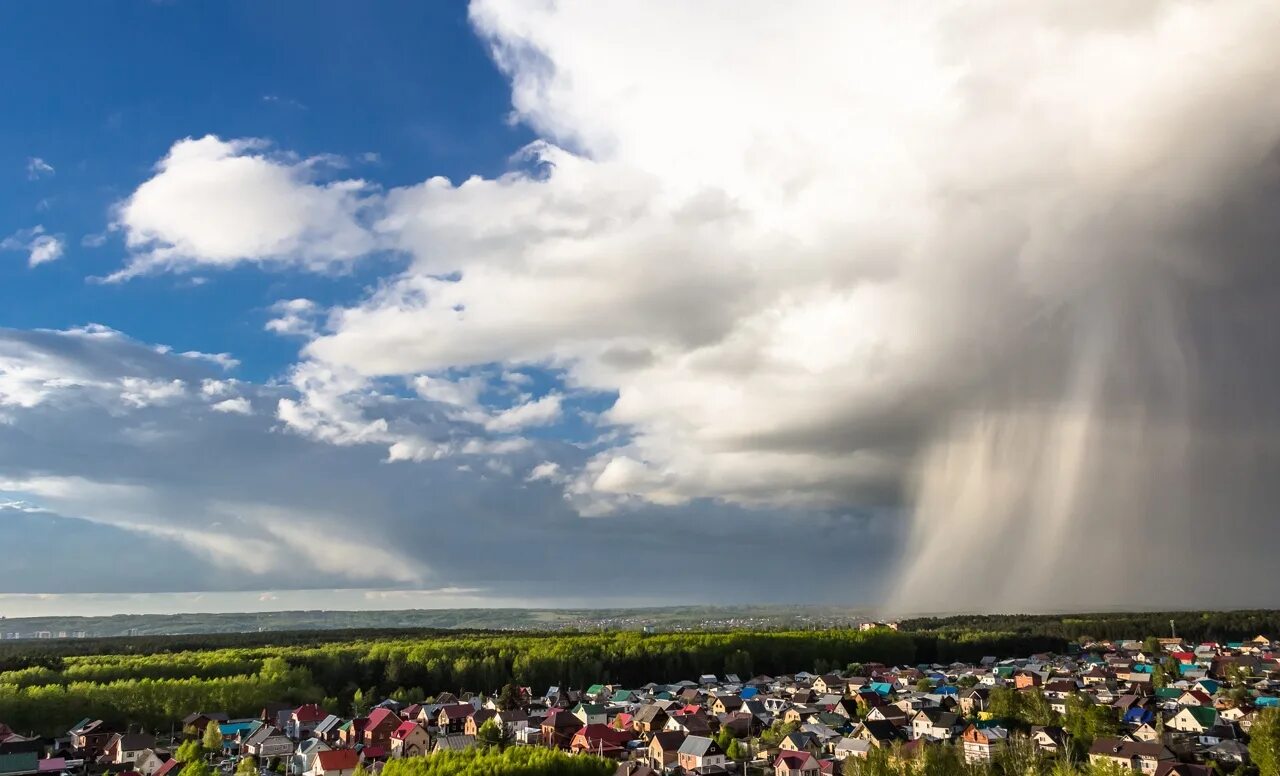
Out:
{"x": 773, "y": 302}
{"x": 101, "y": 92}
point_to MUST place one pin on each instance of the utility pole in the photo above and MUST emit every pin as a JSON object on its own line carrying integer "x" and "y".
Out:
{"x": 1172, "y": 630}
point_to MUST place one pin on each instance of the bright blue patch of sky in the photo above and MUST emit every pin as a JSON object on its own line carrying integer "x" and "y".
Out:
{"x": 100, "y": 91}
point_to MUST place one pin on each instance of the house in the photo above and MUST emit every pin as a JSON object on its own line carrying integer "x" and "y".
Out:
{"x": 558, "y": 728}
{"x": 700, "y": 752}
{"x": 336, "y": 762}
{"x": 304, "y": 759}
{"x": 790, "y": 763}
{"x": 852, "y": 747}
{"x": 529, "y": 735}
{"x": 88, "y": 737}
{"x": 472, "y": 726}
{"x": 267, "y": 741}
{"x": 410, "y": 740}
{"x": 980, "y": 744}
{"x": 799, "y": 741}
{"x": 452, "y": 718}
{"x": 691, "y": 724}
{"x": 1194, "y": 719}
{"x": 601, "y": 740}
{"x": 591, "y": 714}
{"x": 453, "y": 743}
{"x": 726, "y": 704}
{"x": 934, "y": 724}
{"x": 382, "y": 722}
{"x": 124, "y": 748}
{"x": 878, "y": 733}
{"x": 149, "y": 761}
{"x": 1138, "y": 755}
{"x": 513, "y": 720}
{"x": 649, "y": 719}
{"x": 974, "y": 700}
{"x": 327, "y": 729}
{"x": 1048, "y": 738}
{"x": 169, "y": 767}
{"x": 303, "y": 720}
{"x": 663, "y": 747}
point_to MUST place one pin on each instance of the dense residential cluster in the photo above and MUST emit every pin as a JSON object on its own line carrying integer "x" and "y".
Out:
{"x": 1160, "y": 707}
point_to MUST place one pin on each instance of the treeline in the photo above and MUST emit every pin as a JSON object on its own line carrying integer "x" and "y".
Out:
{"x": 1193, "y": 626}
{"x": 514, "y": 761}
{"x": 156, "y": 689}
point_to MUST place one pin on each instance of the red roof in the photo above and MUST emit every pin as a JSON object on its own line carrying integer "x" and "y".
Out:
{"x": 605, "y": 733}
{"x": 338, "y": 759}
{"x": 458, "y": 710}
{"x": 405, "y": 729}
{"x": 309, "y": 713}
{"x": 381, "y": 716}
{"x": 794, "y": 760}
{"x": 169, "y": 765}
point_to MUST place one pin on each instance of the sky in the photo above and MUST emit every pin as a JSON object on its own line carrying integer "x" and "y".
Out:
{"x": 927, "y": 307}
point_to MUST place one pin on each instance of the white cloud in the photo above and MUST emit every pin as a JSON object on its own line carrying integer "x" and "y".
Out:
{"x": 218, "y": 203}
{"x": 239, "y": 405}
{"x": 547, "y": 470}
{"x": 142, "y": 392}
{"x": 38, "y": 168}
{"x": 790, "y": 289}
{"x": 535, "y": 412}
{"x": 224, "y": 360}
{"x": 41, "y": 247}
{"x": 296, "y": 317}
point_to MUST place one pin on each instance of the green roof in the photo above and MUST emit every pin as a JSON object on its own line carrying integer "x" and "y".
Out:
{"x": 595, "y": 689}
{"x": 19, "y": 762}
{"x": 1168, "y": 692}
{"x": 1204, "y": 715}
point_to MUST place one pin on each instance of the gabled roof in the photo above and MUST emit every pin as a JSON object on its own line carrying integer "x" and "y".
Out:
{"x": 309, "y": 712}
{"x": 404, "y": 730}
{"x": 338, "y": 759}
{"x": 700, "y": 746}
{"x": 382, "y": 716}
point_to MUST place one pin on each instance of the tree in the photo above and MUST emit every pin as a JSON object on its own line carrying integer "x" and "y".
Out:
{"x": 1152, "y": 647}
{"x": 212, "y": 737}
{"x": 248, "y": 766}
{"x": 735, "y": 750}
{"x": 724, "y": 738}
{"x": 924, "y": 685}
{"x": 189, "y": 751}
{"x": 1003, "y": 704}
{"x": 510, "y": 698}
{"x": 1264, "y": 742}
{"x": 492, "y": 735}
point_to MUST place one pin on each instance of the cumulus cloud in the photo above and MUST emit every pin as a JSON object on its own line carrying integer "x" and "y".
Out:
{"x": 216, "y": 203}
{"x": 41, "y": 247}
{"x": 296, "y": 317}
{"x": 239, "y": 405}
{"x": 230, "y": 503}
{"x": 859, "y": 256}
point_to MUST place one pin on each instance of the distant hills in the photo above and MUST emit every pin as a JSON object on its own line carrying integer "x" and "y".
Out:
{"x": 669, "y": 618}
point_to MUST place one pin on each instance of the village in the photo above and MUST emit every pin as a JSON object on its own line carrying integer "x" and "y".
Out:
{"x": 1160, "y": 707}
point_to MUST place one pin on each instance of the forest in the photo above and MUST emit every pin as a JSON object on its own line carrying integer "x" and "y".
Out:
{"x": 153, "y": 681}
{"x": 44, "y": 691}
{"x": 1190, "y": 625}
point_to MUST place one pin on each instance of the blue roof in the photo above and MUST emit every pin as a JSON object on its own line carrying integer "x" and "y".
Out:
{"x": 881, "y": 688}
{"x": 946, "y": 689}
{"x": 1266, "y": 700}
{"x": 749, "y": 692}
{"x": 1143, "y": 668}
